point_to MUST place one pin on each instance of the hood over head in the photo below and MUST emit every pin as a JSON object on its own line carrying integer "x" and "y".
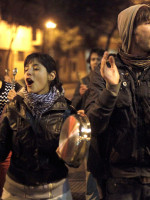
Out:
{"x": 125, "y": 25}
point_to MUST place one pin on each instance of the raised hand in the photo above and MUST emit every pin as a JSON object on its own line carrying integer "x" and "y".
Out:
{"x": 11, "y": 94}
{"x": 110, "y": 74}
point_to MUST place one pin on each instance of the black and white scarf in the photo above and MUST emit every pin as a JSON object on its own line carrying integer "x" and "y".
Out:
{"x": 38, "y": 104}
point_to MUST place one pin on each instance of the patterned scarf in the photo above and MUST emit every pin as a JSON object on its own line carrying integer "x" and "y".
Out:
{"x": 38, "y": 104}
{"x": 137, "y": 62}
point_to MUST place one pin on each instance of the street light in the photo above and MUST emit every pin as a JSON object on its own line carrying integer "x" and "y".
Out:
{"x": 140, "y": 1}
{"x": 48, "y": 37}
{"x": 50, "y": 24}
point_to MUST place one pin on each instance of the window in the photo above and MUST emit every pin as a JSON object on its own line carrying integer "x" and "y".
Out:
{"x": 33, "y": 34}
{"x": 74, "y": 66}
{"x": 20, "y": 56}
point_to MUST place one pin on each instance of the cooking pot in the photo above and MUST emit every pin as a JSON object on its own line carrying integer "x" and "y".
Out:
{"x": 74, "y": 139}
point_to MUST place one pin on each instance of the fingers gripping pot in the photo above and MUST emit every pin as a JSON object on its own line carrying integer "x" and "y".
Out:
{"x": 74, "y": 139}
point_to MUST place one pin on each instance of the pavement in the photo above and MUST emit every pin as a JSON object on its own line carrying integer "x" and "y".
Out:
{"x": 77, "y": 182}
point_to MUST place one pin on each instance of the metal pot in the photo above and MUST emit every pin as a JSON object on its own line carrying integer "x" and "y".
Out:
{"x": 74, "y": 139}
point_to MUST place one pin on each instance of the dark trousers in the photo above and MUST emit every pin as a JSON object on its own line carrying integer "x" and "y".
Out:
{"x": 127, "y": 189}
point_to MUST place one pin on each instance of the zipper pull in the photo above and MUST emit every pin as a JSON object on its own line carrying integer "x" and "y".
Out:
{"x": 139, "y": 82}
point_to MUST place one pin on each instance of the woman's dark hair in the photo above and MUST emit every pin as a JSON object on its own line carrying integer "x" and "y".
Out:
{"x": 99, "y": 51}
{"x": 142, "y": 16}
{"x": 49, "y": 63}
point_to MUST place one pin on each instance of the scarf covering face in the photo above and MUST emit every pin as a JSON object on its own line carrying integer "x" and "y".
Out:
{"x": 39, "y": 103}
{"x": 125, "y": 25}
{"x": 135, "y": 62}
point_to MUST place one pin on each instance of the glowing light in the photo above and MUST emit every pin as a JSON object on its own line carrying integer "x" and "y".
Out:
{"x": 85, "y": 136}
{"x": 85, "y": 130}
{"x": 50, "y": 24}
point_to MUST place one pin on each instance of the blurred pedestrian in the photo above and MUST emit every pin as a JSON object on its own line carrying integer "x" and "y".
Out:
{"x": 5, "y": 89}
{"x": 78, "y": 101}
{"x": 81, "y": 90}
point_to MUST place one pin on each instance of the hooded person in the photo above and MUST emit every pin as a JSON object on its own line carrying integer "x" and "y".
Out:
{"x": 118, "y": 107}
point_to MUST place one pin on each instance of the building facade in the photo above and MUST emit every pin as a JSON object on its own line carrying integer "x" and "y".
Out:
{"x": 16, "y": 42}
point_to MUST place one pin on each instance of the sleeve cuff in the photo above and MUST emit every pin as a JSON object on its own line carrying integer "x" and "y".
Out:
{"x": 114, "y": 89}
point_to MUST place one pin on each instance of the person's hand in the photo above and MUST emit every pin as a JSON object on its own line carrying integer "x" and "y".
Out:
{"x": 11, "y": 94}
{"x": 110, "y": 74}
{"x": 83, "y": 89}
{"x": 81, "y": 112}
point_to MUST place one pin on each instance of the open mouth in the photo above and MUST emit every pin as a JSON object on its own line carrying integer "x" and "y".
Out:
{"x": 29, "y": 81}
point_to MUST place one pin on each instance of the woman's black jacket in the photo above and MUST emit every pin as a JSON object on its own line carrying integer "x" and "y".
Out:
{"x": 34, "y": 160}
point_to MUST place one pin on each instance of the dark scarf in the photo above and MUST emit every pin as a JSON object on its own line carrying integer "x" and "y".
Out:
{"x": 38, "y": 104}
{"x": 136, "y": 62}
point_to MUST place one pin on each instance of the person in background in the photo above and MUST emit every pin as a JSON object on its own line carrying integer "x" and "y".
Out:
{"x": 118, "y": 108}
{"x": 78, "y": 101}
{"x": 30, "y": 128}
{"x": 7, "y": 78}
{"x": 5, "y": 89}
{"x": 80, "y": 93}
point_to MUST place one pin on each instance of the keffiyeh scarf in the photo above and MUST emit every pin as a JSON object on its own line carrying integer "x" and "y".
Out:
{"x": 38, "y": 104}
